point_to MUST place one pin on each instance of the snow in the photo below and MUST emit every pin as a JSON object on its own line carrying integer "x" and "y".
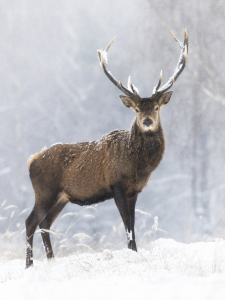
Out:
{"x": 165, "y": 270}
{"x": 130, "y": 86}
{"x": 58, "y": 143}
{"x": 129, "y": 235}
{"x": 105, "y": 58}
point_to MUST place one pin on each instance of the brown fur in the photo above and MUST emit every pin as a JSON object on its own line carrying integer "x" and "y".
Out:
{"x": 33, "y": 157}
{"x": 86, "y": 171}
{"x": 117, "y": 166}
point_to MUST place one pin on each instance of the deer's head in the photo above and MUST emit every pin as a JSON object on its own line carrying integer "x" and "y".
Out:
{"x": 147, "y": 110}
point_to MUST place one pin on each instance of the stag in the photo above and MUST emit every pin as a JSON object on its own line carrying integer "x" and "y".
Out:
{"x": 117, "y": 166}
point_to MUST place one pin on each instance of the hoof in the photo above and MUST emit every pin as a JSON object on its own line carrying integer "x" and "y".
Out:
{"x": 28, "y": 266}
{"x": 132, "y": 246}
{"x": 29, "y": 263}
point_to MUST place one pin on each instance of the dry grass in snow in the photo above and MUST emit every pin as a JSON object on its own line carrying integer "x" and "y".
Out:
{"x": 167, "y": 270}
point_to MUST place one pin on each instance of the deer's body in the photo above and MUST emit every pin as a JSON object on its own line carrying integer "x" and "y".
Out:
{"x": 122, "y": 156}
{"x": 117, "y": 166}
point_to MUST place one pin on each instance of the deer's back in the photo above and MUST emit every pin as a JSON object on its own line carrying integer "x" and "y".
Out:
{"x": 84, "y": 171}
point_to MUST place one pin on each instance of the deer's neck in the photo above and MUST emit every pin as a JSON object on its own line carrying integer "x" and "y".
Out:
{"x": 147, "y": 146}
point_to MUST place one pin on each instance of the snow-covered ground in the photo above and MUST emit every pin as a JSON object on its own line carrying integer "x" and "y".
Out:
{"x": 166, "y": 270}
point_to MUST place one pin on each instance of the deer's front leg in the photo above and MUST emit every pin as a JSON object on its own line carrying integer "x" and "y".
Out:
{"x": 131, "y": 206}
{"x": 127, "y": 213}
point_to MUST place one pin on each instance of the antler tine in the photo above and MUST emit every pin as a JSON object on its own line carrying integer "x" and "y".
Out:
{"x": 109, "y": 45}
{"x": 131, "y": 87}
{"x": 159, "y": 83}
{"x": 180, "y": 66}
{"x": 104, "y": 64}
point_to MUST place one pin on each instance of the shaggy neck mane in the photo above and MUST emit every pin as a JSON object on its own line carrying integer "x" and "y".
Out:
{"x": 146, "y": 143}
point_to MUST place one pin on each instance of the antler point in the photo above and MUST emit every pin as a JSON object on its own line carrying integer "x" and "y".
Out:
{"x": 109, "y": 45}
{"x": 161, "y": 74}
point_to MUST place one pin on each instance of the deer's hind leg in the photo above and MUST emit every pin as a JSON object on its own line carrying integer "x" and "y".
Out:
{"x": 36, "y": 216}
{"x": 31, "y": 225}
{"x": 46, "y": 223}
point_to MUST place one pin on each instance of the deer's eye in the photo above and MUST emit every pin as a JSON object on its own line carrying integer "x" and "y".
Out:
{"x": 157, "y": 108}
{"x": 137, "y": 110}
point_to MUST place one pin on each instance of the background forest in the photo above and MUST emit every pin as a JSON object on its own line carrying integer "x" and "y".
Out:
{"x": 53, "y": 90}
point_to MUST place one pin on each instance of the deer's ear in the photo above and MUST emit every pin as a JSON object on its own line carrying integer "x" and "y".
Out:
{"x": 165, "y": 98}
{"x": 128, "y": 102}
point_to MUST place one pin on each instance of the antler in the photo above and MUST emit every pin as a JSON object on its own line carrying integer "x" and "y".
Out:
{"x": 180, "y": 66}
{"x": 132, "y": 91}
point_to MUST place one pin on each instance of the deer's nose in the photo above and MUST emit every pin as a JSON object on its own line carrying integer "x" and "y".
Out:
{"x": 147, "y": 122}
